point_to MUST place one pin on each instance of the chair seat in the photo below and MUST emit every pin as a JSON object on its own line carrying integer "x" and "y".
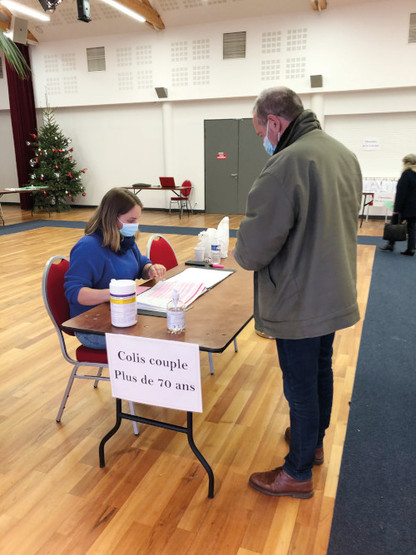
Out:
{"x": 84, "y": 354}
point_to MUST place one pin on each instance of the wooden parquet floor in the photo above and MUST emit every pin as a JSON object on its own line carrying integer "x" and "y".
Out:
{"x": 151, "y": 498}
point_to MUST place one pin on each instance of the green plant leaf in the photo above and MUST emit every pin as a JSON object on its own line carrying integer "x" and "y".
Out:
{"x": 14, "y": 56}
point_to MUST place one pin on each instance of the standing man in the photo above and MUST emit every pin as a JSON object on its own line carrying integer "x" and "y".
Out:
{"x": 299, "y": 235}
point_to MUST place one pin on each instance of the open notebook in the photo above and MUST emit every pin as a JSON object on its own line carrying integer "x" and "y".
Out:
{"x": 190, "y": 284}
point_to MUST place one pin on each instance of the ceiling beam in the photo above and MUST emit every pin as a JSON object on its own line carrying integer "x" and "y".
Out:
{"x": 145, "y": 9}
{"x": 319, "y": 5}
{"x": 7, "y": 25}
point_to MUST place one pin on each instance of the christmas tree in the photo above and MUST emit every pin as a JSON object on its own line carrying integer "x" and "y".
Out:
{"x": 54, "y": 168}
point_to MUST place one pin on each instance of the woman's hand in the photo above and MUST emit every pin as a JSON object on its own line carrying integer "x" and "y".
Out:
{"x": 89, "y": 297}
{"x": 154, "y": 271}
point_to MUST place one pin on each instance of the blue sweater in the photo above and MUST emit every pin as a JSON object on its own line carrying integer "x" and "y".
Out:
{"x": 92, "y": 265}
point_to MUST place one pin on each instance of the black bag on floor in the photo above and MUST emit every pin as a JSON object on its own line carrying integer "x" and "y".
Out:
{"x": 395, "y": 232}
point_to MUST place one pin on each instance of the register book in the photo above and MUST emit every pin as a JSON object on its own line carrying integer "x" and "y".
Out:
{"x": 190, "y": 284}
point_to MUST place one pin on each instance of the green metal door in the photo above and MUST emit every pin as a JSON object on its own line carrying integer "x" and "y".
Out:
{"x": 234, "y": 157}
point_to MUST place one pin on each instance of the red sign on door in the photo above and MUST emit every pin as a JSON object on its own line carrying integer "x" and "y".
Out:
{"x": 221, "y": 156}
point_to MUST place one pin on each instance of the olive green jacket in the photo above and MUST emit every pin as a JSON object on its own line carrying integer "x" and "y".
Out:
{"x": 299, "y": 235}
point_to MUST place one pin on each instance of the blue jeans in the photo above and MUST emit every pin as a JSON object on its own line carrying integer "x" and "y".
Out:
{"x": 91, "y": 340}
{"x": 308, "y": 387}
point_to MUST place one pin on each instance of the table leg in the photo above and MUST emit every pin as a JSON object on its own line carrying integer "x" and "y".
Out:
{"x": 1, "y": 212}
{"x": 188, "y": 430}
{"x": 199, "y": 456}
{"x": 110, "y": 433}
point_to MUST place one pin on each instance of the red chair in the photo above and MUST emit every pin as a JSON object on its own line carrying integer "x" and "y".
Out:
{"x": 58, "y": 309}
{"x": 183, "y": 198}
{"x": 160, "y": 251}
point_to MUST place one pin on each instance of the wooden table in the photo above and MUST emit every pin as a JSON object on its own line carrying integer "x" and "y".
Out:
{"x": 138, "y": 187}
{"x": 20, "y": 191}
{"x": 213, "y": 322}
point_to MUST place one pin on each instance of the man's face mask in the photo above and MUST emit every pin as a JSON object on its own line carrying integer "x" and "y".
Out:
{"x": 268, "y": 147}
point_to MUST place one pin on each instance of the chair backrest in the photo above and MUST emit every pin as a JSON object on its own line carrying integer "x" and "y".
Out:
{"x": 186, "y": 188}
{"x": 160, "y": 251}
{"x": 53, "y": 293}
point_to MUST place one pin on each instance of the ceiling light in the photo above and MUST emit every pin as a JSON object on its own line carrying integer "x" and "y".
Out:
{"x": 49, "y": 5}
{"x": 15, "y": 7}
{"x": 125, "y": 10}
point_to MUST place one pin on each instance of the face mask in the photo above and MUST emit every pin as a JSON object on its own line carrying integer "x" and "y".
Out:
{"x": 268, "y": 147}
{"x": 128, "y": 230}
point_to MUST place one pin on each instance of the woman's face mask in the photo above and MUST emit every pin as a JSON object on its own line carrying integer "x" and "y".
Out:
{"x": 128, "y": 230}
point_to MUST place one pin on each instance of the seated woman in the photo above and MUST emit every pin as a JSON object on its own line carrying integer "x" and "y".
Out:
{"x": 107, "y": 251}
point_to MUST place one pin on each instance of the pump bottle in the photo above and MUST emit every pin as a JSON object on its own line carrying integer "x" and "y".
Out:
{"x": 175, "y": 314}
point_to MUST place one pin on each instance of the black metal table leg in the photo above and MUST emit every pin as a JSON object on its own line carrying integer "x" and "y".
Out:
{"x": 199, "y": 456}
{"x": 188, "y": 430}
{"x": 110, "y": 433}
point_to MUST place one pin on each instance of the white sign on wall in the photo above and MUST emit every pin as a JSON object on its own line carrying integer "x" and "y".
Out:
{"x": 372, "y": 143}
{"x": 155, "y": 372}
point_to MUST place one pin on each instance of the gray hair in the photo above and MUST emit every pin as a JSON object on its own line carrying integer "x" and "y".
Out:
{"x": 278, "y": 101}
{"x": 410, "y": 159}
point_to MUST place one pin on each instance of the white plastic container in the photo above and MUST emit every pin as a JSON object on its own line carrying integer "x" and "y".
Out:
{"x": 199, "y": 252}
{"x": 123, "y": 302}
{"x": 175, "y": 314}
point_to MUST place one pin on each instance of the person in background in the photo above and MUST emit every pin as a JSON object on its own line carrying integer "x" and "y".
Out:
{"x": 107, "y": 251}
{"x": 299, "y": 235}
{"x": 405, "y": 204}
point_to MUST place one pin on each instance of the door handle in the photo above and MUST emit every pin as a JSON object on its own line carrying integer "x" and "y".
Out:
{"x": 234, "y": 174}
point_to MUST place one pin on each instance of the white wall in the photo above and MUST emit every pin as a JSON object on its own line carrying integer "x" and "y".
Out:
{"x": 123, "y": 134}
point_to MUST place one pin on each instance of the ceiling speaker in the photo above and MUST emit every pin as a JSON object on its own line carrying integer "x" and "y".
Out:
{"x": 161, "y": 92}
{"x": 316, "y": 81}
{"x": 83, "y": 7}
{"x": 19, "y": 30}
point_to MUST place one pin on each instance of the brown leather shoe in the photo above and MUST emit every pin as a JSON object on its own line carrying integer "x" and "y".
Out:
{"x": 278, "y": 483}
{"x": 319, "y": 451}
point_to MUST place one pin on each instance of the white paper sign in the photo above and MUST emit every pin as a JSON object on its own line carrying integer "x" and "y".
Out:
{"x": 155, "y": 371}
{"x": 372, "y": 143}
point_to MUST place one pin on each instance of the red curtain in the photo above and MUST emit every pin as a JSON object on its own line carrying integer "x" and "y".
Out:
{"x": 23, "y": 117}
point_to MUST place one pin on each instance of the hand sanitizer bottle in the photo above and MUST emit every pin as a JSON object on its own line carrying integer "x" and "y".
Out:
{"x": 175, "y": 314}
